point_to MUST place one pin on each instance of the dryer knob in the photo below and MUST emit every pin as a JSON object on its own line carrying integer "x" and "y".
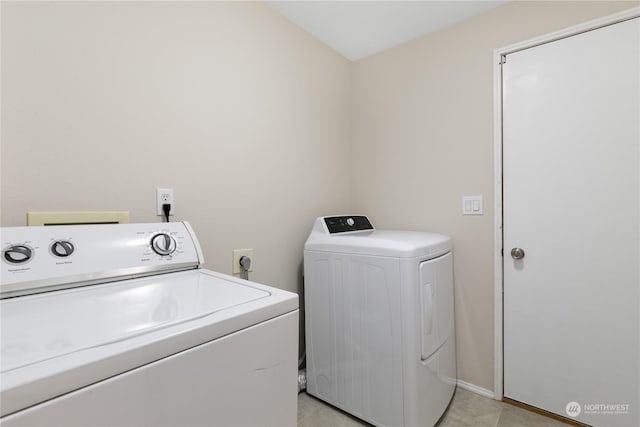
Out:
{"x": 163, "y": 244}
{"x": 17, "y": 254}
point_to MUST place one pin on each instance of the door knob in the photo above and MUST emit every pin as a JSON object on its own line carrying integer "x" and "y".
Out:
{"x": 517, "y": 253}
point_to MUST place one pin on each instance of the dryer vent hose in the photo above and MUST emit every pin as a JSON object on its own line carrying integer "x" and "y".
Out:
{"x": 302, "y": 380}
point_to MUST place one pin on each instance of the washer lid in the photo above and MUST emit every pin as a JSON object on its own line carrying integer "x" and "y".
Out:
{"x": 386, "y": 243}
{"x": 56, "y": 342}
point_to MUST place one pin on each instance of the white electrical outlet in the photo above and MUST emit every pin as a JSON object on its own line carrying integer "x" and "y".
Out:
{"x": 239, "y": 253}
{"x": 164, "y": 195}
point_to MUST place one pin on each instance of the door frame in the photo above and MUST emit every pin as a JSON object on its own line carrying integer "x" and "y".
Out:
{"x": 498, "y": 54}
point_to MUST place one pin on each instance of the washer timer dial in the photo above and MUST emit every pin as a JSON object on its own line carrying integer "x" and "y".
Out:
{"x": 163, "y": 244}
{"x": 17, "y": 254}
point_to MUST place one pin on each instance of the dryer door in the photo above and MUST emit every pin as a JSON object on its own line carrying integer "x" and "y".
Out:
{"x": 436, "y": 303}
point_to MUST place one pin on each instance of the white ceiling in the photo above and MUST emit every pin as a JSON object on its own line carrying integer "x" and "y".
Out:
{"x": 358, "y": 29}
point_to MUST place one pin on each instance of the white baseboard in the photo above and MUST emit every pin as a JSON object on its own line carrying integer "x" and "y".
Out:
{"x": 475, "y": 389}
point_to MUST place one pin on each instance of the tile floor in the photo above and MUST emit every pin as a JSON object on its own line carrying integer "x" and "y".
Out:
{"x": 467, "y": 409}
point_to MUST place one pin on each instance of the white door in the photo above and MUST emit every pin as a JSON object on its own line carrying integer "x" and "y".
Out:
{"x": 571, "y": 197}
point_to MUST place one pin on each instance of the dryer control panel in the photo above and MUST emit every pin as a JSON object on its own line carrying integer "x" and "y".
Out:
{"x": 43, "y": 258}
{"x": 344, "y": 224}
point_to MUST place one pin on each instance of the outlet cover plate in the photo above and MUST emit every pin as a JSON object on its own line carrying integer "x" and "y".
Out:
{"x": 164, "y": 195}
{"x": 239, "y": 253}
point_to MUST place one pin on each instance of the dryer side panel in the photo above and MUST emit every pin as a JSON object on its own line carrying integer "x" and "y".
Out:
{"x": 320, "y": 348}
{"x": 354, "y": 342}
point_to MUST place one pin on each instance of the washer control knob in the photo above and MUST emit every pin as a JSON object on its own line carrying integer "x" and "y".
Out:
{"x": 17, "y": 254}
{"x": 163, "y": 244}
{"x": 62, "y": 248}
{"x": 350, "y": 222}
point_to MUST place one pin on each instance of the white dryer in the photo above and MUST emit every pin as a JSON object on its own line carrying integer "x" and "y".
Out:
{"x": 379, "y": 321}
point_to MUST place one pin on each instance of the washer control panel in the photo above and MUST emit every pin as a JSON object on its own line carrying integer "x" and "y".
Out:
{"x": 39, "y": 258}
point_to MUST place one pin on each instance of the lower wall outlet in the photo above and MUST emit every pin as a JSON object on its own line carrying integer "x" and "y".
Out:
{"x": 239, "y": 253}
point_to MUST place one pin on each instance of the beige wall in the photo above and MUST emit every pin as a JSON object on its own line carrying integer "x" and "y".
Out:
{"x": 250, "y": 120}
{"x": 423, "y": 138}
{"x": 242, "y": 113}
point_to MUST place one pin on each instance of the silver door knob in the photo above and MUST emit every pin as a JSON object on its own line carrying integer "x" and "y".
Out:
{"x": 517, "y": 253}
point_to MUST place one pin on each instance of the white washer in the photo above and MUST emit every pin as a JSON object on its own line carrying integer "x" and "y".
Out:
{"x": 107, "y": 325}
{"x": 379, "y": 321}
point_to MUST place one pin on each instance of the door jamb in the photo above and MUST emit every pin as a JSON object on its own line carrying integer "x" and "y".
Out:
{"x": 498, "y": 377}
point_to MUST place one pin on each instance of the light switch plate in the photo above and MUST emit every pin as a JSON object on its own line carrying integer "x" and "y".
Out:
{"x": 472, "y": 205}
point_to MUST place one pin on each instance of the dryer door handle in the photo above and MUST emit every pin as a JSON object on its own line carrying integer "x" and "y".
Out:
{"x": 426, "y": 302}
{"x": 427, "y": 311}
